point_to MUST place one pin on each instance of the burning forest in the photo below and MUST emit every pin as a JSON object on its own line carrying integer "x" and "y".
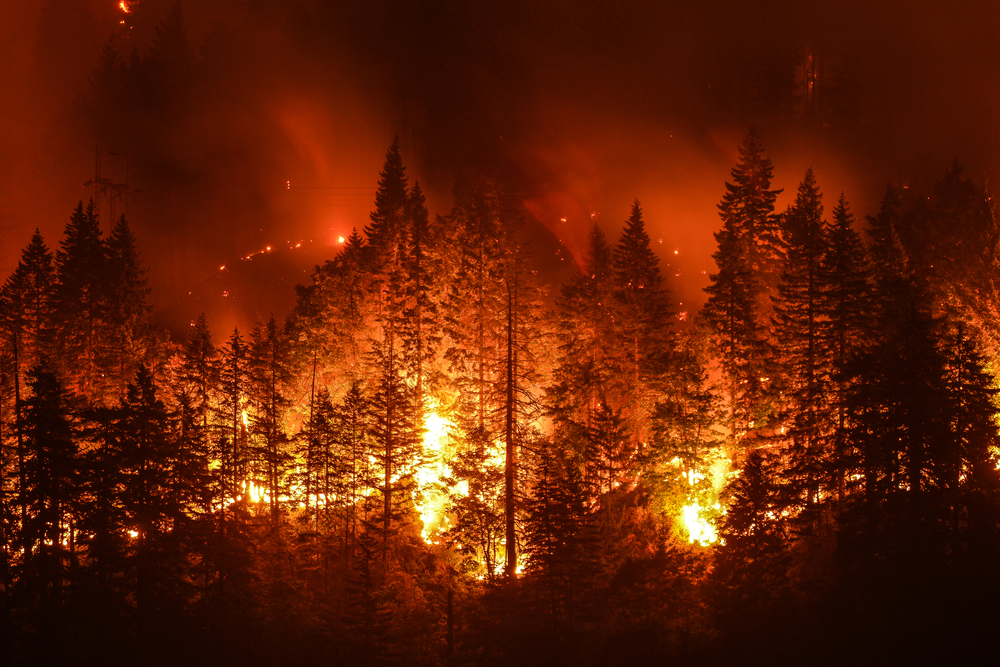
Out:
{"x": 494, "y": 426}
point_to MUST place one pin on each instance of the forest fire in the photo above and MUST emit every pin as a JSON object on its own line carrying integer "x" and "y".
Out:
{"x": 432, "y": 494}
{"x": 699, "y": 528}
{"x": 481, "y": 423}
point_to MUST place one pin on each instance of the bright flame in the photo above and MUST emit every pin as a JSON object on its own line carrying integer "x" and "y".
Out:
{"x": 698, "y": 516}
{"x": 699, "y": 529}
{"x": 125, "y": 7}
{"x": 430, "y": 476}
{"x": 246, "y": 420}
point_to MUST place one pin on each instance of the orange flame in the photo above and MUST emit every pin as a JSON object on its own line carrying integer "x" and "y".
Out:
{"x": 125, "y": 7}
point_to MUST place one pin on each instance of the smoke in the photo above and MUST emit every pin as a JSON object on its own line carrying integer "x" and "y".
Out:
{"x": 255, "y": 124}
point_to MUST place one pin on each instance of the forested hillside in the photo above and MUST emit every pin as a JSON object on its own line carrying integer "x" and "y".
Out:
{"x": 437, "y": 460}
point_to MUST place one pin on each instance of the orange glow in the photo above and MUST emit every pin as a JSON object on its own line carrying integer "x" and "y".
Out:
{"x": 125, "y": 7}
{"x": 433, "y": 498}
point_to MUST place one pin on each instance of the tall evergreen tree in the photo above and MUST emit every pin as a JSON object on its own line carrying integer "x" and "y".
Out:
{"x": 198, "y": 376}
{"x": 128, "y": 337}
{"x": 751, "y": 564}
{"x": 847, "y": 307}
{"x": 26, "y": 304}
{"x": 586, "y": 370}
{"x": 354, "y": 435}
{"x": 420, "y": 326}
{"x": 644, "y": 320}
{"x": 748, "y": 206}
{"x": 397, "y": 439}
{"x": 154, "y": 500}
{"x": 80, "y": 300}
{"x": 51, "y": 469}
{"x": 737, "y": 308}
{"x": 269, "y": 371}
{"x": 798, "y": 326}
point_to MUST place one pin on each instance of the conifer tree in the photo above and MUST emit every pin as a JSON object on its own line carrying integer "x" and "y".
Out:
{"x": 269, "y": 373}
{"x": 49, "y": 492}
{"x": 751, "y": 563}
{"x": 473, "y": 299}
{"x": 80, "y": 300}
{"x": 104, "y": 523}
{"x": 586, "y": 370}
{"x": 26, "y": 322}
{"x": 233, "y": 422}
{"x": 391, "y": 202}
{"x": 737, "y": 308}
{"x": 686, "y": 442}
{"x": 560, "y": 535}
{"x": 396, "y": 445}
{"x": 847, "y": 307}
{"x": 199, "y": 372}
{"x": 748, "y": 206}
{"x": 354, "y": 433}
{"x": 798, "y": 325}
{"x": 26, "y": 303}
{"x": 420, "y": 326}
{"x": 153, "y": 499}
{"x": 126, "y": 303}
{"x": 644, "y": 314}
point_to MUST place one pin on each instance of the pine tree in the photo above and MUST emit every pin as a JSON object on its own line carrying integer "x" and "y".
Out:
{"x": 473, "y": 300}
{"x": 26, "y": 322}
{"x": 126, "y": 304}
{"x": 748, "y": 206}
{"x": 586, "y": 370}
{"x": 26, "y": 303}
{"x": 51, "y": 470}
{"x": 644, "y": 314}
{"x": 492, "y": 322}
{"x": 154, "y": 502}
{"x": 103, "y": 521}
{"x": 737, "y": 308}
{"x": 354, "y": 438}
{"x": 270, "y": 373}
{"x": 396, "y": 445}
{"x": 420, "y": 325}
{"x": 561, "y": 536}
{"x": 686, "y": 442}
{"x": 233, "y": 422}
{"x": 80, "y": 301}
{"x": 199, "y": 373}
{"x": 751, "y": 563}
{"x": 847, "y": 306}
{"x": 391, "y": 203}
{"x": 798, "y": 325}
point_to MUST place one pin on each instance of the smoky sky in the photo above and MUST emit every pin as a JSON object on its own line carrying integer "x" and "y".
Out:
{"x": 265, "y": 123}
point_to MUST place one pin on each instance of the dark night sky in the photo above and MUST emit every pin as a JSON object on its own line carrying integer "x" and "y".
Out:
{"x": 586, "y": 105}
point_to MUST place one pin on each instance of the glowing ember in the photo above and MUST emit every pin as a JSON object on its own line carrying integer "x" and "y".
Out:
{"x": 125, "y": 6}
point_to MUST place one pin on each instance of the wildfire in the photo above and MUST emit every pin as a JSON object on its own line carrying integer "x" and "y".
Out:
{"x": 125, "y": 6}
{"x": 432, "y": 495}
{"x": 699, "y": 529}
{"x": 699, "y": 514}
